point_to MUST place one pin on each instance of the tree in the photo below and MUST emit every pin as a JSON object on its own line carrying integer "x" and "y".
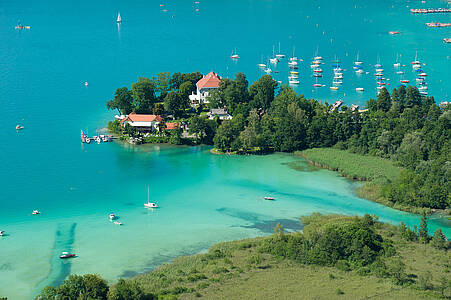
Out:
{"x": 261, "y": 92}
{"x": 175, "y": 104}
{"x": 383, "y": 100}
{"x": 250, "y": 136}
{"x": 76, "y": 287}
{"x": 423, "y": 230}
{"x": 411, "y": 151}
{"x": 439, "y": 240}
{"x": 161, "y": 83}
{"x": 127, "y": 290}
{"x": 186, "y": 89}
{"x": 122, "y": 101}
{"x": 143, "y": 93}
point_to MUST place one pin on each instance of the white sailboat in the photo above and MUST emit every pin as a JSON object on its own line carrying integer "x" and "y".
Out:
{"x": 274, "y": 60}
{"x": 280, "y": 55}
{"x": 357, "y": 62}
{"x": 149, "y": 204}
{"x": 119, "y": 19}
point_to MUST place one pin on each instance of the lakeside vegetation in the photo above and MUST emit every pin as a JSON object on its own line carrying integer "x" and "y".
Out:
{"x": 408, "y": 129}
{"x": 334, "y": 257}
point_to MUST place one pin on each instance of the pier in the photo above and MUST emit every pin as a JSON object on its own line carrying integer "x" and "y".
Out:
{"x": 430, "y": 10}
{"x": 101, "y": 138}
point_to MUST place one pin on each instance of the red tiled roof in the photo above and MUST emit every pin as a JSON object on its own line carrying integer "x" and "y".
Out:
{"x": 211, "y": 80}
{"x": 133, "y": 117}
{"x": 174, "y": 125}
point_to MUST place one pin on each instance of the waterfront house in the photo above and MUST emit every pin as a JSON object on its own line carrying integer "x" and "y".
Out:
{"x": 204, "y": 86}
{"x": 142, "y": 122}
{"x": 221, "y": 113}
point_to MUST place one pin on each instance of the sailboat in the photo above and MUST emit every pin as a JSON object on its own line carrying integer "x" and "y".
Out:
{"x": 357, "y": 61}
{"x": 119, "y": 19}
{"x": 274, "y": 60}
{"x": 234, "y": 55}
{"x": 149, "y": 204}
{"x": 280, "y": 55}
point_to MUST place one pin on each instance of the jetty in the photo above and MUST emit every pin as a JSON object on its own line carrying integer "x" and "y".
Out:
{"x": 101, "y": 138}
{"x": 438, "y": 24}
{"x": 430, "y": 10}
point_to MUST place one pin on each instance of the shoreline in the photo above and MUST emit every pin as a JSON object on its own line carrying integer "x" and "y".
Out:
{"x": 371, "y": 191}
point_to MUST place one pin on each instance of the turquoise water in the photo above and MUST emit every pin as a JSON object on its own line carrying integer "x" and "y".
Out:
{"x": 204, "y": 198}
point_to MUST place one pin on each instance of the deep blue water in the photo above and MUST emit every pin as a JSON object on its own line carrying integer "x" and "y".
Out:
{"x": 204, "y": 198}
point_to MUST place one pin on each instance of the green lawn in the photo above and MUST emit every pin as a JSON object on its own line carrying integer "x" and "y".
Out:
{"x": 352, "y": 165}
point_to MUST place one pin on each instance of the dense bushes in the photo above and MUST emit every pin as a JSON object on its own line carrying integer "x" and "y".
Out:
{"x": 348, "y": 243}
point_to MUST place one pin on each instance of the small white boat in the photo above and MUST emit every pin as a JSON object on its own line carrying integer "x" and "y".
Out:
{"x": 234, "y": 55}
{"x": 338, "y": 74}
{"x": 317, "y": 85}
{"x": 400, "y": 72}
{"x": 19, "y": 127}
{"x": 419, "y": 79}
{"x": 280, "y": 55}
{"x": 117, "y": 223}
{"x": 293, "y": 63}
{"x": 423, "y": 88}
{"x": 87, "y": 140}
{"x": 119, "y": 19}
{"x": 36, "y": 212}
{"x": 261, "y": 66}
{"x": 359, "y": 89}
{"x": 359, "y": 71}
{"x": 268, "y": 198}
{"x": 423, "y": 74}
{"x": 2, "y": 233}
{"x": 293, "y": 81}
{"x": 149, "y": 204}
{"x": 274, "y": 60}
{"x": 86, "y": 83}
{"x": 268, "y": 70}
{"x": 334, "y": 88}
{"x": 294, "y": 72}
{"x": 112, "y": 216}
{"x": 397, "y": 65}
{"x": 338, "y": 77}
{"x": 379, "y": 70}
{"x": 358, "y": 62}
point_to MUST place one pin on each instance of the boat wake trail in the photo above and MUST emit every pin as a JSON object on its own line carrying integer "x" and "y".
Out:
{"x": 59, "y": 269}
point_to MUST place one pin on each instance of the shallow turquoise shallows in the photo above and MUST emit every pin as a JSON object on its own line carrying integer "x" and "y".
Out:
{"x": 204, "y": 198}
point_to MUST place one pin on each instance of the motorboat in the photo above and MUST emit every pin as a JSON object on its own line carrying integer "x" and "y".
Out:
{"x": 359, "y": 89}
{"x": 318, "y": 70}
{"x": 261, "y": 66}
{"x": 317, "y": 75}
{"x": 19, "y": 127}
{"x": 393, "y": 32}
{"x": 36, "y": 212}
{"x": 404, "y": 81}
{"x": 423, "y": 74}
{"x": 87, "y": 140}
{"x": 117, "y": 223}
{"x": 379, "y": 70}
{"x": 293, "y": 63}
{"x": 268, "y": 198}
{"x": 359, "y": 71}
{"x": 293, "y": 81}
{"x": 317, "y": 85}
{"x": 112, "y": 216}
{"x": 294, "y": 72}
{"x": 2, "y": 233}
{"x": 119, "y": 18}
{"x": 334, "y": 88}
{"x": 66, "y": 255}
{"x": 396, "y": 65}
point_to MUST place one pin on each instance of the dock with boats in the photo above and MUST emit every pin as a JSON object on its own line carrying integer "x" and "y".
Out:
{"x": 100, "y": 138}
{"x": 430, "y": 10}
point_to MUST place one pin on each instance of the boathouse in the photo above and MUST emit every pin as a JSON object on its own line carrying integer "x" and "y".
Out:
{"x": 204, "y": 86}
{"x": 142, "y": 122}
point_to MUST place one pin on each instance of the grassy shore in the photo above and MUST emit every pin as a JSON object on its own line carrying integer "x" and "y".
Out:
{"x": 374, "y": 171}
{"x": 241, "y": 270}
